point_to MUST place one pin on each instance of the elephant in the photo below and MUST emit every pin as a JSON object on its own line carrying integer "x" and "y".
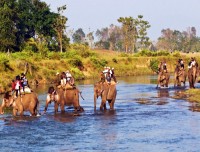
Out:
{"x": 180, "y": 77}
{"x": 163, "y": 79}
{"x": 107, "y": 92}
{"x": 63, "y": 97}
{"x": 28, "y": 102}
{"x": 192, "y": 75}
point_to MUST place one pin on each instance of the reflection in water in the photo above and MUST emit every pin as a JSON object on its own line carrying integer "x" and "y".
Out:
{"x": 65, "y": 118}
{"x": 163, "y": 93}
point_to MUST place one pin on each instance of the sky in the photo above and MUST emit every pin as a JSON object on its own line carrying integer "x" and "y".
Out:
{"x": 91, "y": 15}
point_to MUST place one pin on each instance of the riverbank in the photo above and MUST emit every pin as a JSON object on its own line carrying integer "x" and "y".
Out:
{"x": 82, "y": 63}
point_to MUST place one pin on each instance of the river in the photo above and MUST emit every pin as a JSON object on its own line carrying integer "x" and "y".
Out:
{"x": 145, "y": 119}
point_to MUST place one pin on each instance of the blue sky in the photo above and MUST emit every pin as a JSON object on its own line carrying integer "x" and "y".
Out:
{"x": 161, "y": 14}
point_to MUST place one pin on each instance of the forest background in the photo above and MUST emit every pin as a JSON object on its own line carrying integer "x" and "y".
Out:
{"x": 36, "y": 41}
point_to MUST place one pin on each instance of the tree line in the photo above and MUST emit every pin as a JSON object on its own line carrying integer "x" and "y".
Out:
{"x": 31, "y": 25}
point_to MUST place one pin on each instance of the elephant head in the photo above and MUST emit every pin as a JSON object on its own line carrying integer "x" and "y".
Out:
{"x": 98, "y": 88}
{"x": 163, "y": 79}
{"x": 7, "y": 101}
{"x": 52, "y": 96}
{"x": 180, "y": 76}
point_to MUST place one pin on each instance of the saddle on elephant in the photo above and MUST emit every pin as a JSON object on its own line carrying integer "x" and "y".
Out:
{"x": 111, "y": 83}
{"x": 66, "y": 87}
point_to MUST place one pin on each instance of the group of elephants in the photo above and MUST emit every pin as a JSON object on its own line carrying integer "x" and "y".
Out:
{"x": 179, "y": 77}
{"x": 61, "y": 98}
{"x": 67, "y": 97}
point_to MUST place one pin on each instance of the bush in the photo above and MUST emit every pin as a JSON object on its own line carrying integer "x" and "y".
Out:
{"x": 76, "y": 62}
{"x": 149, "y": 53}
{"x": 176, "y": 54}
{"x": 123, "y": 55}
{"x": 99, "y": 63}
{"x": 154, "y": 65}
{"x": 77, "y": 74}
{"x": 54, "y": 55}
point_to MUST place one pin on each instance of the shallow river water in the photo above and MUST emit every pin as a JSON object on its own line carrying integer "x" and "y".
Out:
{"x": 145, "y": 119}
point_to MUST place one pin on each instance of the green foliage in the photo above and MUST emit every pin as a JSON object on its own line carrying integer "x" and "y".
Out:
{"x": 154, "y": 65}
{"x": 7, "y": 25}
{"x": 81, "y": 50}
{"x": 77, "y": 73}
{"x": 76, "y": 62}
{"x": 4, "y": 64}
{"x": 123, "y": 55}
{"x": 24, "y": 55}
{"x": 54, "y": 55}
{"x": 176, "y": 54}
{"x": 78, "y": 36}
{"x": 99, "y": 63}
{"x": 149, "y": 53}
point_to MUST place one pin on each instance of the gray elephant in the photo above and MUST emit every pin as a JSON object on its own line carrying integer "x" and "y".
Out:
{"x": 107, "y": 92}
{"x": 163, "y": 79}
{"x": 180, "y": 77}
{"x": 63, "y": 97}
{"x": 27, "y": 102}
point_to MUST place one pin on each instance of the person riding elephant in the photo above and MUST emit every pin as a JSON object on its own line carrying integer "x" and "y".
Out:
{"x": 63, "y": 97}
{"x": 163, "y": 75}
{"x": 192, "y": 72}
{"x": 107, "y": 92}
{"x": 179, "y": 74}
{"x": 28, "y": 102}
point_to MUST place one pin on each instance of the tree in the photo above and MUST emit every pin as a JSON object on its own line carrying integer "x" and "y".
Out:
{"x": 7, "y": 25}
{"x": 134, "y": 32}
{"x": 185, "y": 41}
{"x": 129, "y": 33}
{"x": 109, "y": 37}
{"x": 59, "y": 26}
{"x": 78, "y": 36}
{"x": 142, "y": 27}
{"x": 90, "y": 39}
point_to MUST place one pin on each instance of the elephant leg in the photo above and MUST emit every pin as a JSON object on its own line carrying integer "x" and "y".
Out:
{"x": 103, "y": 105}
{"x": 14, "y": 112}
{"x": 21, "y": 113}
{"x": 62, "y": 107}
{"x": 46, "y": 105}
{"x": 112, "y": 103}
{"x": 75, "y": 109}
{"x": 32, "y": 111}
{"x": 81, "y": 109}
{"x": 55, "y": 107}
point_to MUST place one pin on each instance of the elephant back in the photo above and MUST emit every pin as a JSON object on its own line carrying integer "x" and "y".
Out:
{"x": 71, "y": 97}
{"x": 28, "y": 101}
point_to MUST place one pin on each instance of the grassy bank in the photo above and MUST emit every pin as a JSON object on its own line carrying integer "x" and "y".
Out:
{"x": 193, "y": 95}
{"x": 82, "y": 62}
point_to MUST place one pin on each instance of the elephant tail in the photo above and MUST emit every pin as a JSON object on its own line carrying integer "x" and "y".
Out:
{"x": 37, "y": 110}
